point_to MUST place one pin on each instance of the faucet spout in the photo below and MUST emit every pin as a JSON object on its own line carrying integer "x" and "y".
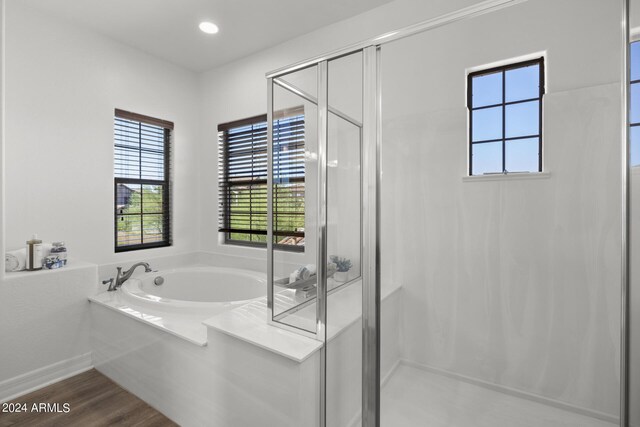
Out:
{"x": 123, "y": 277}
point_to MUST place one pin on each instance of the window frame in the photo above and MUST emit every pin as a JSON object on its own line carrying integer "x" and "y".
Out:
{"x": 166, "y": 182}
{"x": 223, "y": 172}
{"x": 503, "y": 104}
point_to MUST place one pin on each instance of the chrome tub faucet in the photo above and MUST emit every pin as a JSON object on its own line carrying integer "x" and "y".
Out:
{"x": 123, "y": 277}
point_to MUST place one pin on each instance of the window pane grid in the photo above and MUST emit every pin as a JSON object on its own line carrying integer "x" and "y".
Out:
{"x": 507, "y": 139}
{"x": 518, "y": 117}
{"x": 506, "y": 103}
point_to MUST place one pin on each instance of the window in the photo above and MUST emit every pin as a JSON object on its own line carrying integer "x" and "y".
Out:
{"x": 243, "y": 181}
{"x": 634, "y": 113}
{"x": 142, "y": 147}
{"x": 505, "y": 118}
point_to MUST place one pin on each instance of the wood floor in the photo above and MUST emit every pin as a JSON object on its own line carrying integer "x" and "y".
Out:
{"x": 93, "y": 400}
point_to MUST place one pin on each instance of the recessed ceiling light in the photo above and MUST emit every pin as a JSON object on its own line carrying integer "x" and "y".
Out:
{"x": 208, "y": 27}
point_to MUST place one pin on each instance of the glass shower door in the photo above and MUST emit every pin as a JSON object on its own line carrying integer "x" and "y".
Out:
{"x": 316, "y": 288}
{"x": 293, "y": 202}
{"x": 344, "y": 239}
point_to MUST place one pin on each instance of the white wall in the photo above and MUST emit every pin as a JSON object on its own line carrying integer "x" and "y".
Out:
{"x": 238, "y": 90}
{"x": 63, "y": 84}
{"x": 515, "y": 283}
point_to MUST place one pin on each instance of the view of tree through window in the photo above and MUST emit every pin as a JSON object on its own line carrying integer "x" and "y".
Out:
{"x": 141, "y": 178}
{"x": 243, "y": 181}
{"x": 505, "y": 118}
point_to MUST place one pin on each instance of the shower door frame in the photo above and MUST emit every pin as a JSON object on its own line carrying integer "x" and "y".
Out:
{"x": 372, "y": 174}
{"x": 370, "y": 208}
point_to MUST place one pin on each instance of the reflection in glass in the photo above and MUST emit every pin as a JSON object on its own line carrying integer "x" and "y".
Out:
{"x": 343, "y": 204}
{"x": 294, "y": 174}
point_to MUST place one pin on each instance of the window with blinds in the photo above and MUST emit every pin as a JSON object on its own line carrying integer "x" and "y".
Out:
{"x": 243, "y": 181}
{"x": 142, "y": 147}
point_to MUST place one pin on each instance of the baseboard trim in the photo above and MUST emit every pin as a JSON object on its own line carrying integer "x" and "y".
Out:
{"x": 42, "y": 377}
{"x": 514, "y": 392}
{"x": 390, "y": 372}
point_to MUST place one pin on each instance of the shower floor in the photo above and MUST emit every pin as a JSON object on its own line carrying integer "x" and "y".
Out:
{"x": 414, "y": 397}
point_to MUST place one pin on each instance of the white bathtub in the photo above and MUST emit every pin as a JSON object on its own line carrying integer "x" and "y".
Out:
{"x": 186, "y": 297}
{"x": 196, "y": 287}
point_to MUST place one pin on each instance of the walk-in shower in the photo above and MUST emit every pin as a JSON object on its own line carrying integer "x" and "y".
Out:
{"x": 511, "y": 278}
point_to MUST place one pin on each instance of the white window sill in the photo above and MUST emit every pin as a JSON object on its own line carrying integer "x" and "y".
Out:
{"x": 507, "y": 177}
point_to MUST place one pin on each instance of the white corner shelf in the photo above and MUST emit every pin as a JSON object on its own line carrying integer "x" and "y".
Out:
{"x": 73, "y": 264}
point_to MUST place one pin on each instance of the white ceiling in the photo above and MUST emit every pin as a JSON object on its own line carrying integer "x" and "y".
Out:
{"x": 169, "y": 28}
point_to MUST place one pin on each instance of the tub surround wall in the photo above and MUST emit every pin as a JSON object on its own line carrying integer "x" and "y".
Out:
{"x": 232, "y": 381}
{"x": 44, "y": 318}
{"x": 228, "y": 382}
{"x": 45, "y": 327}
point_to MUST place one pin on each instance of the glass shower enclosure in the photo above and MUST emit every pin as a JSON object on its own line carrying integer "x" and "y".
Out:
{"x": 318, "y": 292}
{"x": 480, "y": 299}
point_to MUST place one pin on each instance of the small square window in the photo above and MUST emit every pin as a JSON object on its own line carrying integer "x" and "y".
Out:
{"x": 505, "y": 118}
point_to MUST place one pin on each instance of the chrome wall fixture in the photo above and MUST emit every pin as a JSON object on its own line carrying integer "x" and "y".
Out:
{"x": 370, "y": 225}
{"x": 321, "y": 284}
{"x": 371, "y": 172}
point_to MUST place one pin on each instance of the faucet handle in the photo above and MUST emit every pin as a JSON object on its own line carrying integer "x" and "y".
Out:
{"x": 109, "y": 281}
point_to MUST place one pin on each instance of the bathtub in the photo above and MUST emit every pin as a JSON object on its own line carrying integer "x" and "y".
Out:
{"x": 196, "y": 288}
{"x": 179, "y": 300}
